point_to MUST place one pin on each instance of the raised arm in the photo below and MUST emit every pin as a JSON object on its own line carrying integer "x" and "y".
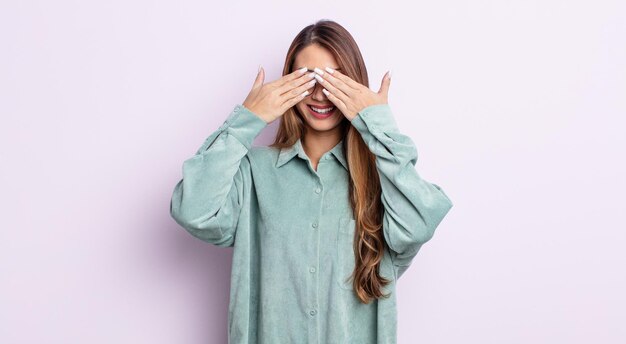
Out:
{"x": 413, "y": 207}
{"x": 207, "y": 200}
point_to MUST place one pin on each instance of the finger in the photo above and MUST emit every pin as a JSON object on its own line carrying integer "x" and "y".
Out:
{"x": 291, "y": 76}
{"x": 292, "y": 85}
{"x": 338, "y": 102}
{"x": 327, "y": 78}
{"x": 298, "y": 90}
{"x": 334, "y": 90}
{"x": 384, "y": 84}
{"x": 295, "y": 99}
{"x": 260, "y": 77}
{"x": 344, "y": 78}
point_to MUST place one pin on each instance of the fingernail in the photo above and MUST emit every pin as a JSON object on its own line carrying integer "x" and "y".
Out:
{"x": 311, "y": 75}
{"x": 325, "y": 91}
{"x": 318, "y": 71}
{"x": 302, "y": 70}
{"x": 259, "y": 69}
{"x": 312, "y": 82}
{"x": 319, "y": 78}
{"x": 305, "y": 93}
{"x": 330, "y": 70}
{"x": 389, "y": 74}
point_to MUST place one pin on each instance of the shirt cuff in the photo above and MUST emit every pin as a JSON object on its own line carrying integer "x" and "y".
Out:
{"x": 375, "y": 118}
{"x": 244, "y": 125}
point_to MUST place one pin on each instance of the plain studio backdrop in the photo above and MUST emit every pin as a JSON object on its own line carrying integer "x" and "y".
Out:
{"x": 516, "y": 107}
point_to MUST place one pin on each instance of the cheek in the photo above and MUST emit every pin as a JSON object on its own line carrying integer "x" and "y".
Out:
{"x": 301, "y": 108}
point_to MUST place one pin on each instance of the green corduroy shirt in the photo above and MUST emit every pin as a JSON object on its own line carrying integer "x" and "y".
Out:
{"x": 292, "y": 229}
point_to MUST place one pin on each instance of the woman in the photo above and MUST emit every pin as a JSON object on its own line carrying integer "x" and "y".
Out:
{"x": 324, "y": 220}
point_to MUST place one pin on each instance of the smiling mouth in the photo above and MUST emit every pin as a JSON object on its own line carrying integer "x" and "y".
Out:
{"x": 322, "y": 110}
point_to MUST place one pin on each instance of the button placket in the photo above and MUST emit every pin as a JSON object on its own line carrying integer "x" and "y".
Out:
{"x": 317, "y": 189}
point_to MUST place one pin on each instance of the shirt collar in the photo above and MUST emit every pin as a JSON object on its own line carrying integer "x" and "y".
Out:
{"x": 287, "y": 153}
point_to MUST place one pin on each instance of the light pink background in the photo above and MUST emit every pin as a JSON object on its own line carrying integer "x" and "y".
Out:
{"x": 517, "y": 109}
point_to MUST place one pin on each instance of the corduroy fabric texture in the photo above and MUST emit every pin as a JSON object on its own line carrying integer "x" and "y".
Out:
{"x": 292, "y": 230}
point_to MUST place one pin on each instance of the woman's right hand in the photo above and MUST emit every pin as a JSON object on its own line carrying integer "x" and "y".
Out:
{"x": 270, "y": 101}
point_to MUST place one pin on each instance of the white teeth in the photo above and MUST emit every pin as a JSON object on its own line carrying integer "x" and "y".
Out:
{"x": 327, "y": 110}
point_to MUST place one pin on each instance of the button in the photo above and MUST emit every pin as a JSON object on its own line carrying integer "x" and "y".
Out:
{"x": 314, "y": 224}
{"x": 312, "y": 312}
{"x": 312, "y": 269}
{"x": 318, "y": 190}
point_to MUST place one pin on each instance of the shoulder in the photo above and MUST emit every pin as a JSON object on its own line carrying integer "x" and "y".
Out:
{"x": 261, "y": 151}
{"x": 263, "y": 156}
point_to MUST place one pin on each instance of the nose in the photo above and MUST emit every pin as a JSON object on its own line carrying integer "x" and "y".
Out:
{"x": 317, "y": 93}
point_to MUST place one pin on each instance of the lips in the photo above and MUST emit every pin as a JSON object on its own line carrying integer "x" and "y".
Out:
{"x": 320, "y": 115}
{"x": 323, "y": 110}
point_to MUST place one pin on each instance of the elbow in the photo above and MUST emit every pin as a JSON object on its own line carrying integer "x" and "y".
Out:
{"x": 204, "y": 228}
{"x": 181, "y": 219}
{"x": 428, "y": 221}
{"x": 443, "y": 199}
{"x": 440, "y": 207}
{"x": 421, "y": 234}
{"x": 207, "y": 230}
{"x": 407, "y": 229}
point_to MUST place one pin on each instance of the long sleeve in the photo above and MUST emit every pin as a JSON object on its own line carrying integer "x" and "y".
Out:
{"x": 413, "y": 207}
{"x": 207, "y": 201}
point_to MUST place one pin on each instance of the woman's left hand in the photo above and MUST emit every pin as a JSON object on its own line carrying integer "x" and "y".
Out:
{"x": 349, "y": 96}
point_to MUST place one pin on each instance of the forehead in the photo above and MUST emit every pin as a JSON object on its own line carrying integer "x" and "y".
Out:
{"x": 313, "y": 56}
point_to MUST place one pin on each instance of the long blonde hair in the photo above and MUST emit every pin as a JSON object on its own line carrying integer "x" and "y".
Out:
{"x": 364, "y": 184}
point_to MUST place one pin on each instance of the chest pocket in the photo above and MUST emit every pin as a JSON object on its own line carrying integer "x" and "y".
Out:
{"x": 345, "y": 255}
{"x": 345, "y": 252}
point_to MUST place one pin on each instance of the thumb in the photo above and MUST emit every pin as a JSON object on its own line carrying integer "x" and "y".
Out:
{"x": 384, "y": 85}
{"x": 260, "y": 77}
